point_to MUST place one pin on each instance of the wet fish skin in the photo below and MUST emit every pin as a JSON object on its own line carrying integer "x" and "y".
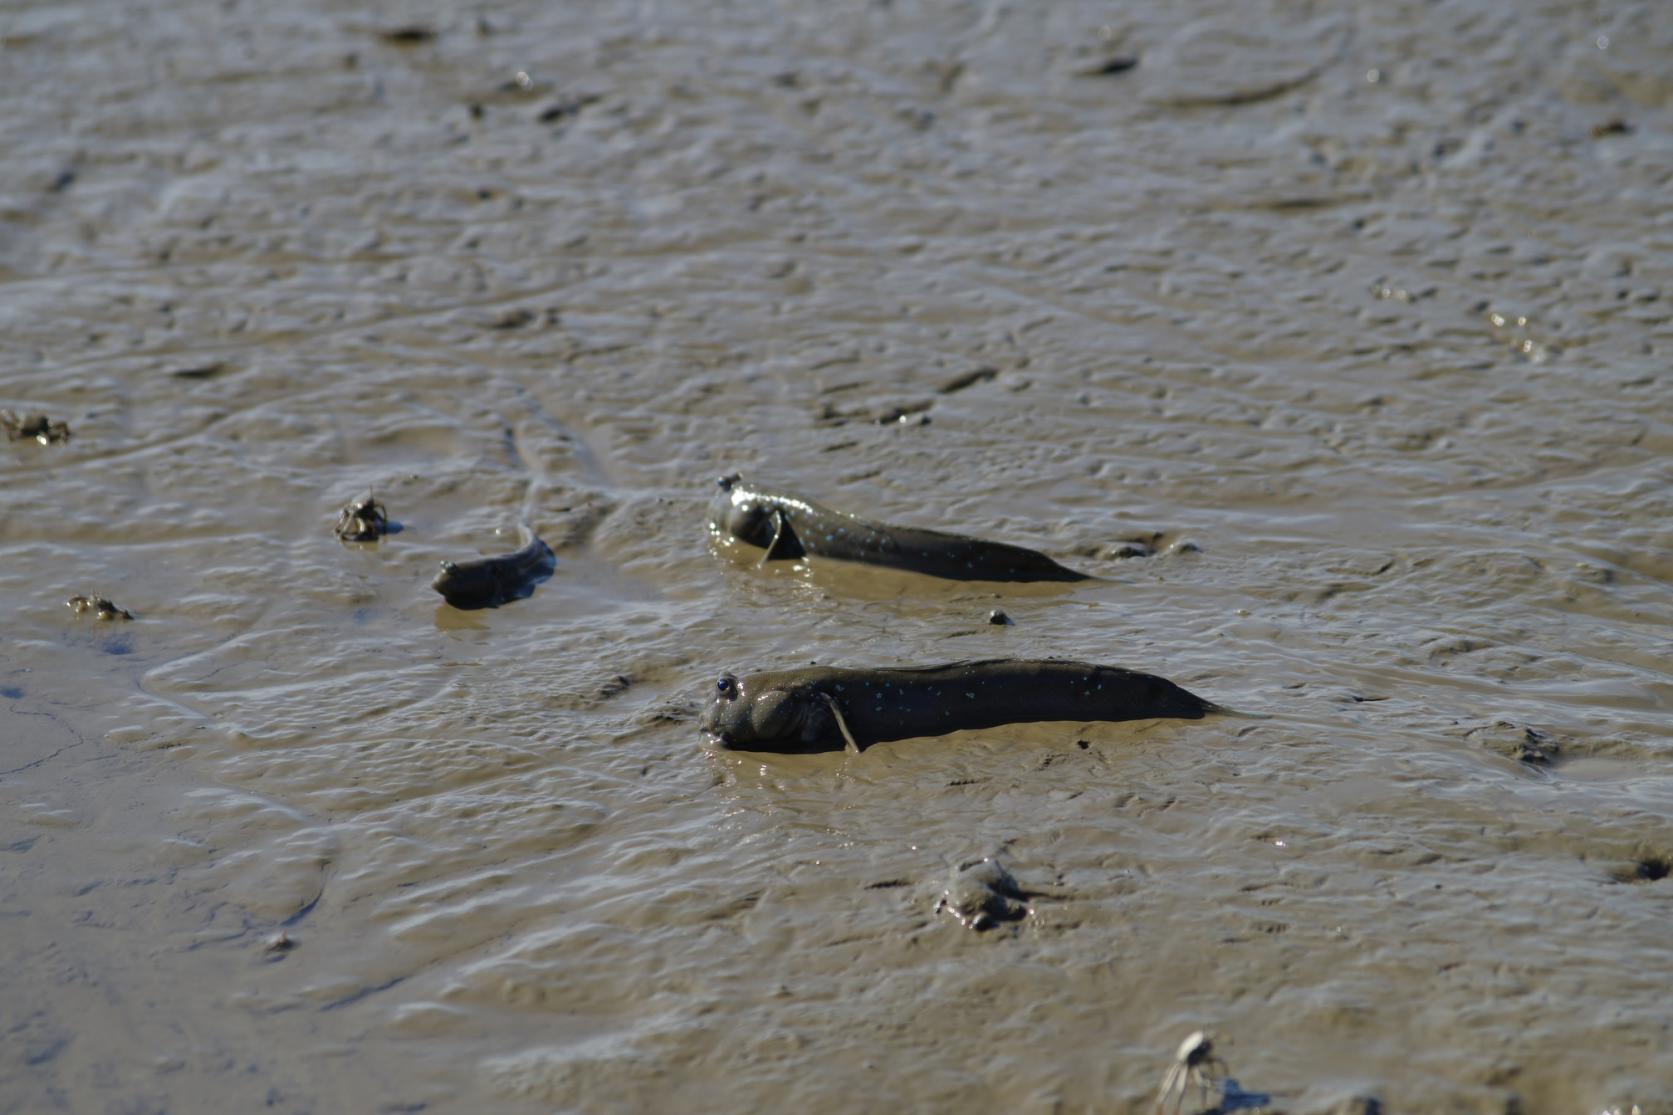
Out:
{"x": 798, "y": 709}
{"x": 789, "y": 526}
{"x": 491, "y": 581}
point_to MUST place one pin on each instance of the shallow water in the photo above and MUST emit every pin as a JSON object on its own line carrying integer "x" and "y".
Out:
{"x": 1370, "y": 303}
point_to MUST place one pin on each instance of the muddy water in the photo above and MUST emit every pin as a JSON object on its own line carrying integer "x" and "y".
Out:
{"x": 1372, "y": 304}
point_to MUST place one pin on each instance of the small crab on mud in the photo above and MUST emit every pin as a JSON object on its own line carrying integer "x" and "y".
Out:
{"x": 363, "y": 520}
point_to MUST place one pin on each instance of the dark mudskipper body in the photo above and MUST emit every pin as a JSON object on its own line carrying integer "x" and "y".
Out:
{"x": 489, "y": 582}
{"x": 788, "y": 526}
{"x": 821, "y": 707}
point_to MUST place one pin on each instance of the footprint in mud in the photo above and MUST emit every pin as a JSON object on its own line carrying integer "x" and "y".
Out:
{"x": 981, "y": 895}
{"x": 1514, "y": 741}
{"x": 1242, "y": 59}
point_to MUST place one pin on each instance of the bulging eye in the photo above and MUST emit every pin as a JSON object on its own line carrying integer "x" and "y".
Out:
{"x": 726, "y": 685}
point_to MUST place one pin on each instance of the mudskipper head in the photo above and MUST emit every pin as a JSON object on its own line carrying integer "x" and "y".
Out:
{"x": 738, "y": 512}
{"x": 464, "y": 586}
{"x": 753, "y": 716}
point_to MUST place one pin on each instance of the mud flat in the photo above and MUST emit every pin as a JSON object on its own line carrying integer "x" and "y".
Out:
{"x": 1372, "y": 309}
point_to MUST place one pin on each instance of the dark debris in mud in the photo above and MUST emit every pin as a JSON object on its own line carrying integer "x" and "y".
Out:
{"x": 1515, "y": 741}
{"x": 512, "y": 319}
{"x": 1118, "y": 64}
{"x": 33, "y": 427}
{"x": 1648, "y": 869}
{"x": 412, "y": 34}
{"x": 200, "y": 371}
{"x": 965, "y": 380}
{"x": 567, "y": 108}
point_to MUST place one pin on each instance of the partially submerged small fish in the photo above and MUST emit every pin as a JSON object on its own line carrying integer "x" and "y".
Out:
{"x": 788, "y": 526}
{"x": 492, "y": 581}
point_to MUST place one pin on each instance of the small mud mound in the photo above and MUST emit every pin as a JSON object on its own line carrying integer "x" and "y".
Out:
{"x": 982, "y": 895}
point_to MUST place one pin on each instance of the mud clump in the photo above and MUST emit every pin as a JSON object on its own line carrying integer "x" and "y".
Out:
{"x": 982, "y": 895}
{"x": 1515, "y": 741}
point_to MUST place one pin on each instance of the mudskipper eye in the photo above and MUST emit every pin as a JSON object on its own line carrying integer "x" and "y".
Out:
{"x": 727, "y": 685}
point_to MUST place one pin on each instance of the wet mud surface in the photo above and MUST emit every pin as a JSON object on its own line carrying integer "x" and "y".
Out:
{"x": 1370, "y": 305}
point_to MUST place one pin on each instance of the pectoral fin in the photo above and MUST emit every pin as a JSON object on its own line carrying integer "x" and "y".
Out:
{"x": 785, "y": 545}
{"x": 842, "y": 725}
